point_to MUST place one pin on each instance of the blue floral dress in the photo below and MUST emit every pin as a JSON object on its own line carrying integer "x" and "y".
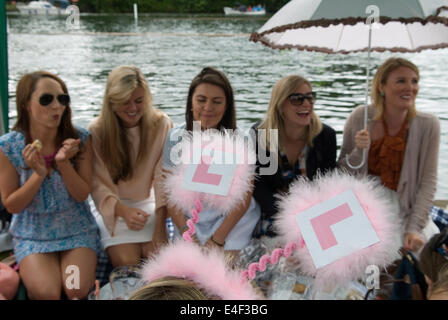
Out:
{"x": 53, "y": 221}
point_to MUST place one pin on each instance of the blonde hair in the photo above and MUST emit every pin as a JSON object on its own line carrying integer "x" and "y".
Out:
{"x": 274, "y": 119}
{"x": 170, "y": 288}
{"x": 431, "y": 261}
{"x": 116, "y": 152}
{"x": 380, "y": 78}
{"x": 441, "y": 285}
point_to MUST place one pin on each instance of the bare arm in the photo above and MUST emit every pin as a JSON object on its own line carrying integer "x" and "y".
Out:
{"x": 160, "y": 237}
{"x": 231, "y": 220}
{"x": 78, "y": 183}
{"x": 14, "y": 197}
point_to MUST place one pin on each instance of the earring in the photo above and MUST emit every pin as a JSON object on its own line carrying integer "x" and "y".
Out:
{"x": 382, "y": 93}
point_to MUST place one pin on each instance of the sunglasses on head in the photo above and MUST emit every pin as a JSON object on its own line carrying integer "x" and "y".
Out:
{"x": 47, "y": 98}
{"x": 297, "y": 99}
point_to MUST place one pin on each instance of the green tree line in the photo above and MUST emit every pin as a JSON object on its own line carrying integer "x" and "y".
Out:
{"x": 172, "y": 6}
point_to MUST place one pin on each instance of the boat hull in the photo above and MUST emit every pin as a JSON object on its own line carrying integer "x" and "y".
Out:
{"x": 232, "y": 12}
{"x": 41, "y": 11}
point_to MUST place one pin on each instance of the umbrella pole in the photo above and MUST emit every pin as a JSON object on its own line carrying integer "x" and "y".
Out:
{"x": 364, "y": 151}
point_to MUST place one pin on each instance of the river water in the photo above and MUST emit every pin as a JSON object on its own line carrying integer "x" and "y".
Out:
{"x": 172, "y": 49}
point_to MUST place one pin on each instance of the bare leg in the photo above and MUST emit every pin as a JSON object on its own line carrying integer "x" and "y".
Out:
{"x": 84, "y": 260}
{"x": 124, "y": 254}
{"x": 148, "y": 248}
{"x": 41, "y": 274}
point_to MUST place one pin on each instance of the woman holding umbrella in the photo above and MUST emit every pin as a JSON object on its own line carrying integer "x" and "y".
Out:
{"x": 402, "y": 146}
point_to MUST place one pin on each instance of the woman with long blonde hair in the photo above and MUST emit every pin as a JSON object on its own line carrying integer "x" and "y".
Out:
{"x": 128, "y": 139}
{"x": 304, "y": 148}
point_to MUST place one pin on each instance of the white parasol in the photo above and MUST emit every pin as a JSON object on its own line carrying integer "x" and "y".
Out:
{"x": 344, "y": 26}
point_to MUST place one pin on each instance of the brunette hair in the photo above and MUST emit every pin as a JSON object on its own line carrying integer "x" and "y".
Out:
{"x": 24, "y": 90}
{"x": 215, "y": 77}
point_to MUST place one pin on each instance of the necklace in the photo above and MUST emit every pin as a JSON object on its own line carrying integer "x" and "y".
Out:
{"x": 49, "y": 159}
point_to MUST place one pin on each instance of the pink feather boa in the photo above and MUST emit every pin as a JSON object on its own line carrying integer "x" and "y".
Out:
{"x": 206, "y": 268}
{"x": 305, "y": 194}
{"x": 184, "y": 199}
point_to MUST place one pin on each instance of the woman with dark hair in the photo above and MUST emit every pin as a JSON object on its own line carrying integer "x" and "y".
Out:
{"x": 45, "y": 185}
{"x": 210, "y": 102}
{"x": 225, "y": 116}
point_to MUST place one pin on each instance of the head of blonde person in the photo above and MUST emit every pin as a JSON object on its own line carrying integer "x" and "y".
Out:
{"x": 170, "y": 288}
{"x": 433, "y": 261}
{"x": 380, "y": 80}
{"x": 126, "y": 86}
{"x": 439, "y": 289}
{"x": 275, "y": 116}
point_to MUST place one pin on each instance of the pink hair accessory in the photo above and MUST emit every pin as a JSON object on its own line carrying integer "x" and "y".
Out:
{"x": 187, "y": 235}
{"x": 184, "y": 199}
{"x": 206, "y": 268}
{"x": 379, "y": 211}
{"x": 250, "y": 273}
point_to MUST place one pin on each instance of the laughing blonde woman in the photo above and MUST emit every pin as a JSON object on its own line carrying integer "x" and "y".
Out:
{"x": 128, "y": 139}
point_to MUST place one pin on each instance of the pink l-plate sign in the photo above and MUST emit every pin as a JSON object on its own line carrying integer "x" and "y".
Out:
{"x": 335, "y": 228}
{"x": 322, "y": 225}
{"x": 202, "y": 175}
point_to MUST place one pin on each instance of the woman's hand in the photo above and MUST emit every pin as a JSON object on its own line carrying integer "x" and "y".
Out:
{"x": 135, "y": 218}
{"x": 34, "y": 160}
{"x": 70, "y": 147}
{"x": 413, "y": 241}
{"x": 362, "y": 139}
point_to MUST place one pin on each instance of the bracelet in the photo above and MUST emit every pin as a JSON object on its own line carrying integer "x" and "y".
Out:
{"x": 182, "y": 230}
{"x": 217, "y": 243}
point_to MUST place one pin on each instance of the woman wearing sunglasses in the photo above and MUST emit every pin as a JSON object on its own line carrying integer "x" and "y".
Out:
{"x": 46, "y": 190}
{"x": 402, "y": 147}
{"x": 305, "y": 145}
{"x": 128, "y": 139}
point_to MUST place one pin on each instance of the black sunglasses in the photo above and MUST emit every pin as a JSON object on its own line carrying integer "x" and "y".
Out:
{"x": 47, "y": 98}
{"x": 297, "y": 99}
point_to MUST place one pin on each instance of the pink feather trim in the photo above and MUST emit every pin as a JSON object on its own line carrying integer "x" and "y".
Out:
{"x": 205, "y": 268}
{"x": 305, "y": 194}
{"x": 185, "y": 200}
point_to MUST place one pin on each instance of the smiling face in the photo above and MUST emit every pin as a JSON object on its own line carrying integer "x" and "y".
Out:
{"x": 400, "y": 89}
{"x": 209, "y": 105}
{"x": 48, "y": 116}
{"x": 132, "y": 110}
{"x": 298, "y": 115}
